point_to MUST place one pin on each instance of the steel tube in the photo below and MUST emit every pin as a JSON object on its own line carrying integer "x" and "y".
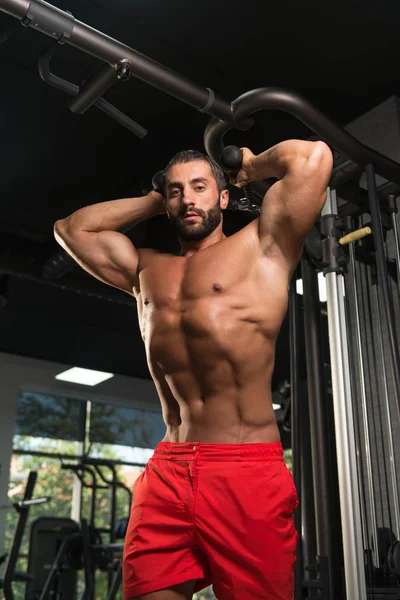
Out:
{"x": 111, "y": 51}
{"x": 281, "y": 99}
{"x": 325, "y": 513}
{"x": 307, "y": 505}
{"x": 393, "y": 201}
{"x": 344, "y": 429}
{"x": 296, "y": 428}
{"x": 392, "y": 458}
{"x": 15, "y": 8}
{"x": 359, "y": 361}
{"x": 93, "y": 89}
{"x": 385, "y": 297}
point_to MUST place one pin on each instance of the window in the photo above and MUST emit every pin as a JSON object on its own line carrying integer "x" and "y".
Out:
{"x": 52, "y": 417}
{"x": 125, "y": 426}
{"x": 53, "y": 431}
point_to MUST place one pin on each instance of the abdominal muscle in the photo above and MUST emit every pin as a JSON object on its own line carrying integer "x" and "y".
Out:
{"x": 214, "y": 387}
{"x": 218, "y": 420}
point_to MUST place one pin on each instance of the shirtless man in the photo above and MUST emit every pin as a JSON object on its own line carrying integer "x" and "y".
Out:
{"x": 215, "y": 503}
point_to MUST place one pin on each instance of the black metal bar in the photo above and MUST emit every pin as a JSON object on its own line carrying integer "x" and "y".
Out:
{"x": 113, "y": 484}
{"x": 89, "y": 568}
{"x": 117, "y": 580}
{"x": 385, "y": 294}
{"x": 121, "y": 118}
{"x": 89, "y": 461}
{"x": 19, "y": 532}
{"x": 93, "y": 89}
{"x": 110, "y": 464}
{"x": 307, "y": 489}
{"x": 281, "y": 99}
{"x": 325, "y": 513}
{"x": 344, "y": 172}
{"x": 111, "y": 51}
{"x": 95, "y": 487}
{"x": 296, "y": 428}
{"x": 54, "y": 570}
{"x": 73, "y": 90}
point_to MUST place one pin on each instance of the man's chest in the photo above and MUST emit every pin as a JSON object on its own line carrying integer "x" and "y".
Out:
{"x": 177, "y": 282}
{"x": 209, "y": 298}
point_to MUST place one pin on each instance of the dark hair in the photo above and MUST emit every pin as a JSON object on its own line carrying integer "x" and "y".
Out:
{"x": 188, "y": 156}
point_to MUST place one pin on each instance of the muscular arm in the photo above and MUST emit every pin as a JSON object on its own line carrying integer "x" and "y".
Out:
{"x": 89, "y": 235}
{"x": 293, "y": 203}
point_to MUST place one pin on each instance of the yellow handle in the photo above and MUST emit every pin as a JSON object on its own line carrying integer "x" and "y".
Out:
{"x": 355, "y": 235}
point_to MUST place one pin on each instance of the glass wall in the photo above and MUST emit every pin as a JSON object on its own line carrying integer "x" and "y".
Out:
{"x": 54, "y": 435}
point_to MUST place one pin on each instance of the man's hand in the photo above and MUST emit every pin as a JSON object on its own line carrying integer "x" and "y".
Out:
{"x": 159, "y": 202}
{"x": 158, "y": 182}
{"x": 245, "y": 175}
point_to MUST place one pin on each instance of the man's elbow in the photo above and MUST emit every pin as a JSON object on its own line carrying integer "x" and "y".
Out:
{"x": 61, "y": 230}
{"x": 320, "y": 158}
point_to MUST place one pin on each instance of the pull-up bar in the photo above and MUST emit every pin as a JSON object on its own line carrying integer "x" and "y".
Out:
{"x": 274, "y": 98}
{"x": 64, "y": 28}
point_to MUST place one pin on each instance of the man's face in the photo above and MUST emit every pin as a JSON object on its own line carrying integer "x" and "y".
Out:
{"x": 192, "y": 200}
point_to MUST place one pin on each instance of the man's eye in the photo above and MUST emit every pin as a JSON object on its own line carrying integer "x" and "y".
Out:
{"x": 174, "y": 192}
{"x": 199, "y": 188}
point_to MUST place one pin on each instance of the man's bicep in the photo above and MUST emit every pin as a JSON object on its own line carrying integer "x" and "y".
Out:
{"x": 107, "y": 255}
{"x": 290, "y": 208}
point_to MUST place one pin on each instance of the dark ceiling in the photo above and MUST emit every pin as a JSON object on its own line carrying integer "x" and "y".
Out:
{"x": 342, "y": 56}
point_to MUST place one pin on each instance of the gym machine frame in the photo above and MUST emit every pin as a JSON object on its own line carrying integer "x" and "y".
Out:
{"x": 94, "y": 468}
{"x": 124, "y": 62}
{"x": 360, "y": 156}
{"x": 23, "y": 508}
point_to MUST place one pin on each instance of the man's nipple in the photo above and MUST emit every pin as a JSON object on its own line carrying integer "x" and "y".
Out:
{"x": 217, "y": 287}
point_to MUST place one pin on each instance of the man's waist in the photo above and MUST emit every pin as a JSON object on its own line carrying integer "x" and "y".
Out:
{"x": 218, "y": 451}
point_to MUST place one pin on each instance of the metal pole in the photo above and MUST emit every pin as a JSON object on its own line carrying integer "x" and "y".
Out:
{"x": 385, "y": 297}
{"x": 296, "y": 429}
{"x": 273, "y": 98}
{"x": 392, "y": 457}
{"x": 344, "y": 430}
{"x": 359, "y": 361}
{"x": 18, "y": 536}
{"x": 372, "y": 385}
{"x": 393, "y": 211}
{"x": 321, "y": 451}
{"x": 307, "y": 505}
{"x": 59, "y": 24}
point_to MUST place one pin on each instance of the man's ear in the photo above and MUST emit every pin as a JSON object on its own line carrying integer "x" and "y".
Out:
{"x": 224, "y": 199}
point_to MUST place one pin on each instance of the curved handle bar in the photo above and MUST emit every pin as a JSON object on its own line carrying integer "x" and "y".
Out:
{"x": 80, "y": 471}
{"x": 73, "y": 90}
{"x": 109, "y": 482}
{"x": 288, "y": 101}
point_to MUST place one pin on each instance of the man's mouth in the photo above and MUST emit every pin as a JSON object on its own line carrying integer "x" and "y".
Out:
{"x": 190, "y": 217}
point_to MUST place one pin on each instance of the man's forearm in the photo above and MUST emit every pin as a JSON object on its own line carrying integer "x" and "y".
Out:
{"x": 279, "y": 159}
{"x": 114, "y": 215}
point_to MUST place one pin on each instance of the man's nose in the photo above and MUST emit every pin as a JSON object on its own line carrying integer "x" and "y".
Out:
{"x": 188, "y": 196}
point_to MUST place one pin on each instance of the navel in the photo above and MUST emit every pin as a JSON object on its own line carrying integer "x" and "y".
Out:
{"x": 217, "y": 287}
{"x": 146, "y": 301}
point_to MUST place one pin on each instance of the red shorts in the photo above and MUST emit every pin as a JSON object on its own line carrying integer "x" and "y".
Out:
{"x": 220, "y": 514}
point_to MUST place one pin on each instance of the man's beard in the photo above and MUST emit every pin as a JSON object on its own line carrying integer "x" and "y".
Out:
{"x": 195, "y": 231}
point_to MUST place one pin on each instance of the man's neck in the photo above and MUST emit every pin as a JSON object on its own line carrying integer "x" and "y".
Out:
{"x": 189, "y": 248}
